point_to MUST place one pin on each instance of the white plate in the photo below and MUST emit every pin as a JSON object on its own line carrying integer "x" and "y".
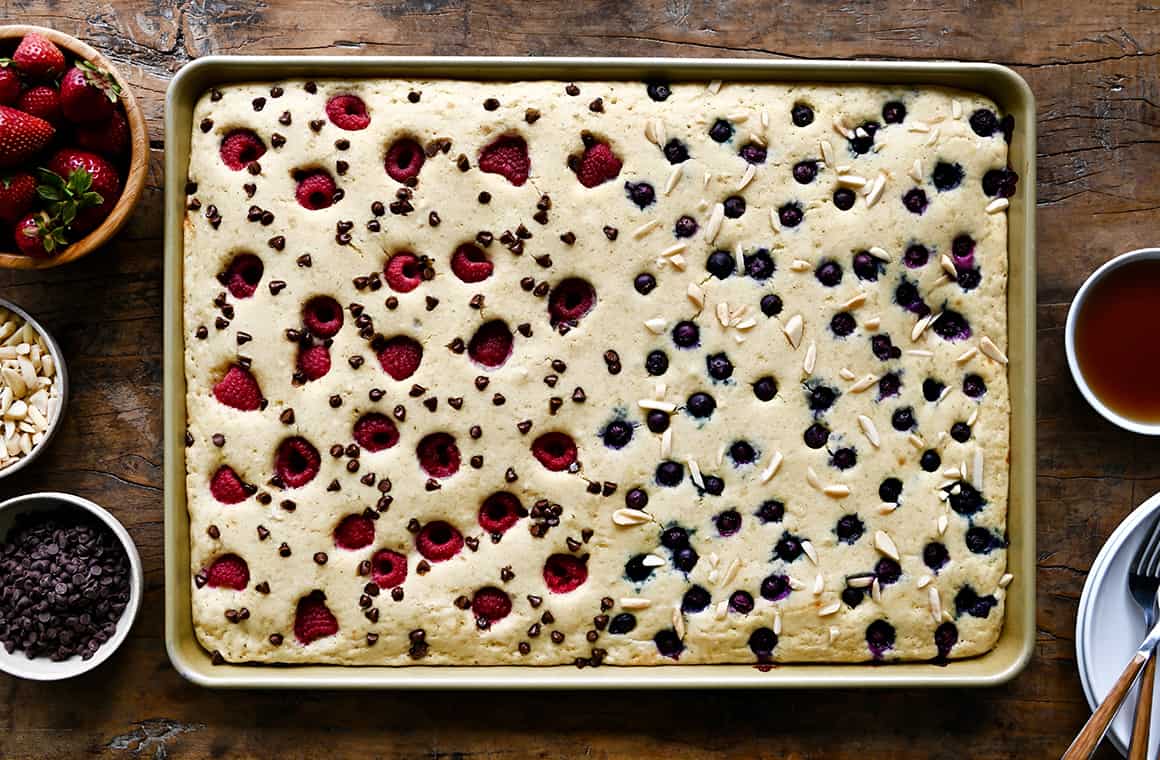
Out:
{"x": 1110, "y": 626}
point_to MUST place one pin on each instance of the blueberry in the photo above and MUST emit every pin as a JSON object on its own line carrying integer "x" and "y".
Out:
{"x": 844, "y": 199}
{"x": 952, "y": 326}
{"x": 674, "y": 537}
{"x": 932, "y": 389}
{"x": 915, "y": 200}
{"x": 974, "y": 386}
{"x": 771, "y": 305}
{"x": 789, "y": 547}
{"x": 701, "y": 405}
{"x": 657, "y": 421}
{"x": 879, "y": 637}
{"x": 658, "y": 91}
{"x": 656, "y": 363}
{"x": 894, "y": 112}
{"x": 801, "y": 114}
{"x": 695, "y": 599}
{"x": 1000, "y": 183}
{"x": 945, "y": 638}
{"x": 644, "y": 283}
{"x": 636, "y": 498}
{"x": 968, "y": 601}
{"x": 617, "y": 434}
{"x": 719, "y": 366}
{"x": 676, "y": 152}
{"x": 916, "y": 256}
{"x": 790, "y": 215}
{"x": 935, "y": 555}
{"x": 775, "y": 587}
{"x": 883, "y": 347}
{"x": 947, "y": 176}
{"x": 961, "y": 432}
{"x": 714, "y": 486}
{"x": 805, "y": 172}
{"x": 888, "y": 385}
{"x": 685, "y": 559}
{"x": 890, "y": 490}
{"x": 829, "y": 273}
{"x": 862, "y": 144}
{"x": 842, "y": 324}
{"x": 984, "y": 122}
{"x": 969, "y": 279}
{"x": 640, "y": 193}
{"x": 734, "y": 206}
{"x": 816, "y": 435}
{"x": 742, "y": 452}
{"x": 720, "y": 131}
{"x": 967, "y": 501}
{"x": 770, "y": 511}
{"x": 622, "y": 623}
{"x": 721, "y": 264}
{"x": 685, "y": 227}
{"x": 852, "y": 597}
{"x": 686, "y": 334}
{"x": 741, "y": 602}
{"x": 765, "y": 388}
{"x": 981, "y": 541}
{"x": 849, "y": 528}
{"x": 728, "y": 522}
{"x": 887, "y": 571}
{"x": 903, "y": 419}
{"x": 865, "y": 266}
{"x": 668, "y": 643}
{"x": 906, "y": 295}
{"x": 963, "y": 250}
{"x": 759, "y": 264}
{"x": 762, "y": 642}
{"x": 670, "y": 473}
{"x": 753, "y": 153}
{"x": 930, "y": 460}
{"x": 821, "y": 398}
{"x": 636, "y": 570}
{"x": 844, "y": 458}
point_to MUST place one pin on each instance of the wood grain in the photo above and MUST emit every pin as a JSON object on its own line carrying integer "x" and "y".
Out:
{"x": 1095, "y": 70}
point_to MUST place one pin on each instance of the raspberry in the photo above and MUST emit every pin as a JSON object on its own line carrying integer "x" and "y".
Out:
{"x": 571, "y": 300}
{"x": 470, "y": 264}
{"x": 242, "y": 276}
{"x": 564, "y": 573}
{"x": 438, "y": 541}
{"x": 313, "y": 620}
{"x": 491, "y": 345}
{"x": 238, "y": 390}
{"x": 241, "y": 147}
{"x": 375, "y": 432}
{"x": 296, "y": 462}
{"x": 322, "y": 316}
{"x": 490, "y": 604}
{"x": 354, "y": 532}
{"x": 499, "y": 512}
{"x": 400, "y": 357}
{"x": 388, "y": 568}
{"x": 228, "y": 571}
{"x": 404, "y": 272}
{"x": 508, "y": 157}
{"x": 404, "y": 159}
{"x": 348, "y": 112}
{"x": 227, "y": 487}
{"x": 598, "y": 165}
{"x": 314, "y": 362}
{"x": 556, "y": 451}
{"x": 438, "y": 455}
{"x": 315, "y": 190}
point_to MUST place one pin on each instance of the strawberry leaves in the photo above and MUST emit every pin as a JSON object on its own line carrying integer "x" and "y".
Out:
{"x": 63, "y": 199}
{"x": 100, "y": 79}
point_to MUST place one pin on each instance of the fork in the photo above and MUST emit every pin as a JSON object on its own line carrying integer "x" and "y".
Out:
{"x": 1144, "y": 586}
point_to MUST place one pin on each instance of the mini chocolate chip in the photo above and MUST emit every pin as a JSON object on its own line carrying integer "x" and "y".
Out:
{"x": 572, "y": 89}
{"x": 477, "y": 461}
{"x": 475, "y": 432}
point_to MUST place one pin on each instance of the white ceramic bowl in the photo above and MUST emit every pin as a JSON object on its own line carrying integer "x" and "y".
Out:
{"x": 1069, "y": 341}
{"x": 62, "y": 390}
{"x": 42, "y": 668}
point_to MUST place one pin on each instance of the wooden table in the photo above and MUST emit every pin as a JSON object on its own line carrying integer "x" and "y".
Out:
{"x": 1095, "y": 70}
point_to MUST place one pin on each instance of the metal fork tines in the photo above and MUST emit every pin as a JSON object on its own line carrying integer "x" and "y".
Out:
{"x": 1144, "y": 575}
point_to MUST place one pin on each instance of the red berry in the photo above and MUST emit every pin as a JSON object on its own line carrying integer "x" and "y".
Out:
{"x": 105, "y": 181}
{"x": 238, "y": 390}
{"x": 88, "y": 94}
{"x": 228, "y": 571}
{"x": 598, "y": 165}
{"x": 404, "y": 272}
{"x": 37, "y": 236}
{"x": 242, "y": 276}
{"x": 322, "y": 316}
{"x": 507, "y": 156}
{"x": 296, "y": 462}
{"x": 354, "y": 532}
{"x": 499, "y": 512}
{"x": 400, "y": 357}
{"x": 9, "y": 85}
{"x": 438, "y": 455}
{"x": 491, "y": 345}
{"x": 227, "y": 486}
{"x": 22, "y": 136}
{"x": 375, "y": 432}
{"x": 315, "y": 190}
{"x": 438, "y": 541}
{"x": 469, "y": 263}
{"x": 348, "y": 112}
{"x": 313, "y": 620}
{"x": 571, "y": 300}
{"x": 556, "y": 451}
{"x": 17, "y": 194}
{"x": 240, "y": 148}
{"x": 404, "y": 159}
{"x": 110, "y": 138}
{"x": 490, "y": 604}
{"x": 314, "y": 362}
{"x": 43, "y": 102}
{"x": 564, "y": 573}
{"x": 388, "y": 568}
{"x": 37, "y": 57}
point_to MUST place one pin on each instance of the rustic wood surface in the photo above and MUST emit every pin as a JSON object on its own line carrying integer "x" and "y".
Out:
{"x": 1095, "y": 70}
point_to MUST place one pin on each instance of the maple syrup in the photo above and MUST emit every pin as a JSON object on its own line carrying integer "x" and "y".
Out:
{"x": 1117, "y": 340}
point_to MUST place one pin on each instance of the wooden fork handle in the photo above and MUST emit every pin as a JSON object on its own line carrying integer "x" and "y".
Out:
{"x": 1093, "y": 731}
{"x": 1139, "y": 747}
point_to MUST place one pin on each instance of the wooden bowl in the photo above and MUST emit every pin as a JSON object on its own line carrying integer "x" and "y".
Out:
{"x": 138, "y": 156}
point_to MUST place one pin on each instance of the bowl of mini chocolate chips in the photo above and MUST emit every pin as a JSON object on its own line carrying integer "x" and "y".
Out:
{"x": 70, "y": 586}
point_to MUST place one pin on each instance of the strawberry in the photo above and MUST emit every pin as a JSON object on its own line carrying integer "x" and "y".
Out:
{"x": 17, "y": 193}
{"x": 313, "y": 620}
{"x": 21, "y": 136}
{"x": 88, "y": 94}
{"x": 37, "y": 57}
{"x": 37, "y": 235}
{"x": 228, "y": 571}
{"x": 598, "y": 165}
{"x": 239, "y": 390}
{"x": 71, "y": 203}
{"x": 104, "y": 181}
{"x": 42, "y": 102}
{"x": 314, "y": 362}
{"x": 110, "y": 138}
{"x": 228, "y": 487}
{"x": 354, "y": 532}
{"x": 9, "y": 83}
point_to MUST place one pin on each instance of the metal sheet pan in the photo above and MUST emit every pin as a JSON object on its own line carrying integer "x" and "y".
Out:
{"x": 1016, "y": 643}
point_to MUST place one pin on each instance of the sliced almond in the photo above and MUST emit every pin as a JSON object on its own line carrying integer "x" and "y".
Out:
{"x": 713, "y": 227}
{"x": 629, "y": 517}
{"x": 772, "y": 468}
{"x": 793, "y": 330}
{"x": 991, "y": 351}
{"x": 885, "y": 544}
{"x": 869, "y": 430}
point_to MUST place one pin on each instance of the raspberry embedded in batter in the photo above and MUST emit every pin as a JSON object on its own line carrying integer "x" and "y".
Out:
{"x": 556, "y": 451}
{"x": 439, "y": 541}
{"x": 243, "y": 274}
{"x": 490, "y": 604}
{"x": 499, "y": 512}
{"x": 470, "y": 264}
{"x": 296, "y": 462}
{"x": 388, "y": 568}
{"x": 228, "y": 571}
{"x": 313, "y": 620}
{"x": 348, "y": 112}
{"x": 508, "y": 157}
{"x": 375, "y": 432}
{"x": 491, "y": 345}
{"x": 322, "y": 316}
{"x": 404, "y": 272}
{"x": 400, "y": 356}
{"x": 404, "y": 159}
{"x": 354, "y": 532}
{"x": 571, "y": 300}
{"x": 564, "y": 573}
{"x": 438, "y": 455}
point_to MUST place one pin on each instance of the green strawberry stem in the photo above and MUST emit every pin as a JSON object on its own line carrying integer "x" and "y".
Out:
{"x": 63, "y": 200}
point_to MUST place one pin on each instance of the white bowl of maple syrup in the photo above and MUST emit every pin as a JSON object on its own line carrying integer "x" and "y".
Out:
{"x": 1113, "y": 340}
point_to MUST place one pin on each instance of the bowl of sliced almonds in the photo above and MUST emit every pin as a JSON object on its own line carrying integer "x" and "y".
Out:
{"x": 33, "y": 388}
